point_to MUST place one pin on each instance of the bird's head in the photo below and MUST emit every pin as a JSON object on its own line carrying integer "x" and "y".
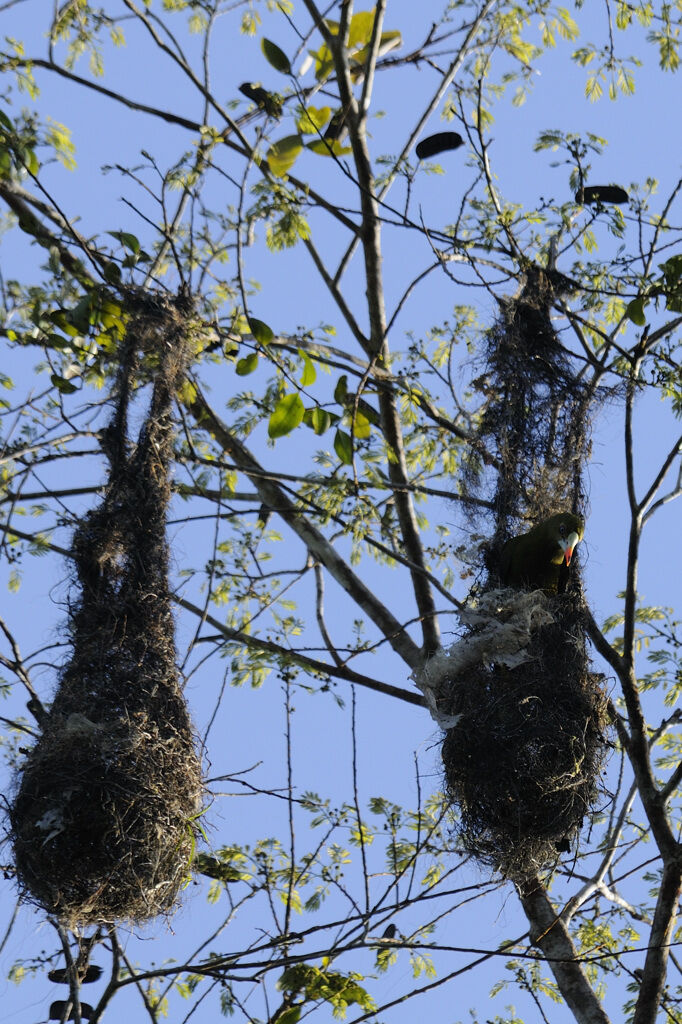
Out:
{"x": 568, "y": 530}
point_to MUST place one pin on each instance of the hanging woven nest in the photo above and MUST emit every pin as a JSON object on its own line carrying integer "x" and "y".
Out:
{"x": 103, "y": 820}
{"x": 523, "y": 759}
{"x": 524, "y": 715}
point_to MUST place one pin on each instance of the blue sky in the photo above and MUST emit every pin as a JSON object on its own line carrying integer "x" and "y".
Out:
{"x": 641, "y": 143}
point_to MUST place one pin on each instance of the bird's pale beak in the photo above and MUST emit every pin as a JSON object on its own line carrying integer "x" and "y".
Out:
{"x": 568, "y": 545}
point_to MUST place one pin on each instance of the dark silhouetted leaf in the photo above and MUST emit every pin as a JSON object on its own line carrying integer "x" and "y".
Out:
{"x": 341, "y": 389}
{"x": 438, "y": 143}
{"x": 57, "y": 1010}
{"x": 601, "y": 194}
{"x": 126, "y": 239}
{"x": 343, "y": 446}
{"x": 336, "y": 128}
{"x": 275, "y": 56}
{"x": 60, "y": 975}
{"x": 112, "y": 273}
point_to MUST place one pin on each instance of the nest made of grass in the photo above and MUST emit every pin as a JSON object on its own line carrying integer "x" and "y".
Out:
{"x": 104, "y": 818}
{"x": 523, "y": 762}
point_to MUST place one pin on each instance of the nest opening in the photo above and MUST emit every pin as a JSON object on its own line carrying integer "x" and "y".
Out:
{"x": 103, "y": 818}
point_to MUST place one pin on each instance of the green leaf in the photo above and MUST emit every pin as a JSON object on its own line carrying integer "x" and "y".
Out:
{"x": 247, "y": 365}
{"x": 318, "y": 419}
{"x": 112, "y": 273}
{"x": 328, "y": 147}
{"x": 313, "y": 119}
{"x": 60, "y": 318}
{"x": 31, "y": 162}
{"x": 309, "y": 373}
{"x": 65, "y": 387}
{"x": 324, "y": 61}
{"x": 5, "y": 162}
{"x": 341, "y": 389}
{"x": 282, "y": 155}
{"x": 55, "y": 341}
{"x": 343, "y": 446}
{"x": 361, "y": 425}
{"x": 126, "y": 239}
{"x": 275, "y": 56}
{"x": 390, "y": 41}
{"x": 360, "y": 29}
{"x": 80, "y": 315}
{"x": 635, "y": 311}
{"x": 260, "y": 330}
{"x": 286, "y": 417}
{"x": 672, "y": 270}
{"x": 290, "y": 1015}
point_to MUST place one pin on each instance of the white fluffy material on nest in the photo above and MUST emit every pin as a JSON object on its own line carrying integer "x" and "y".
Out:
{"x": 502, "y": 623}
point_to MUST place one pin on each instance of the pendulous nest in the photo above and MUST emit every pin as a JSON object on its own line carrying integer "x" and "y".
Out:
{"x": 523, "y": 761}
{"x": 104, "y": 818}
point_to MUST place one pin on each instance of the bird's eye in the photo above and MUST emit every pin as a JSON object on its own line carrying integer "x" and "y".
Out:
{"x": 562, "y": 529}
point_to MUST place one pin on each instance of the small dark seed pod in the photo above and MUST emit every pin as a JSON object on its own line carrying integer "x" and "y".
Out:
{"x": 57, "y": 1010}
{"x": 438, "y": 143}
{"x": 601, "y": 194}
{"x": 60, "y": 975}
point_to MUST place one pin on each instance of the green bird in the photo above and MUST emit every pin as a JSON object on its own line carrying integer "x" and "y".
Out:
{"x": 536, "y": 560}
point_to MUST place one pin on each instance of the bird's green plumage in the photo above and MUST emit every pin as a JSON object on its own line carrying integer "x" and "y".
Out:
{"x": 535, "y": 559}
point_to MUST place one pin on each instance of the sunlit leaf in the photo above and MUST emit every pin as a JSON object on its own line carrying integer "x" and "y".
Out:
{"x": 328, "y": 147}
{"x": 319, "y": 419}
{"x": 313, "y": 119}
{"x": 290, "y": 1015}
{"x": 247, "y": 365}
{"x": 287, "y": 415}
{"x": 324, "y": 62}
{"x": 635, "y": 311}
{"x": 282, "y": 155}
{"x": 361, "y": 425}
{"x": 260, "y": 330}
{"x": 309, "y": 373}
